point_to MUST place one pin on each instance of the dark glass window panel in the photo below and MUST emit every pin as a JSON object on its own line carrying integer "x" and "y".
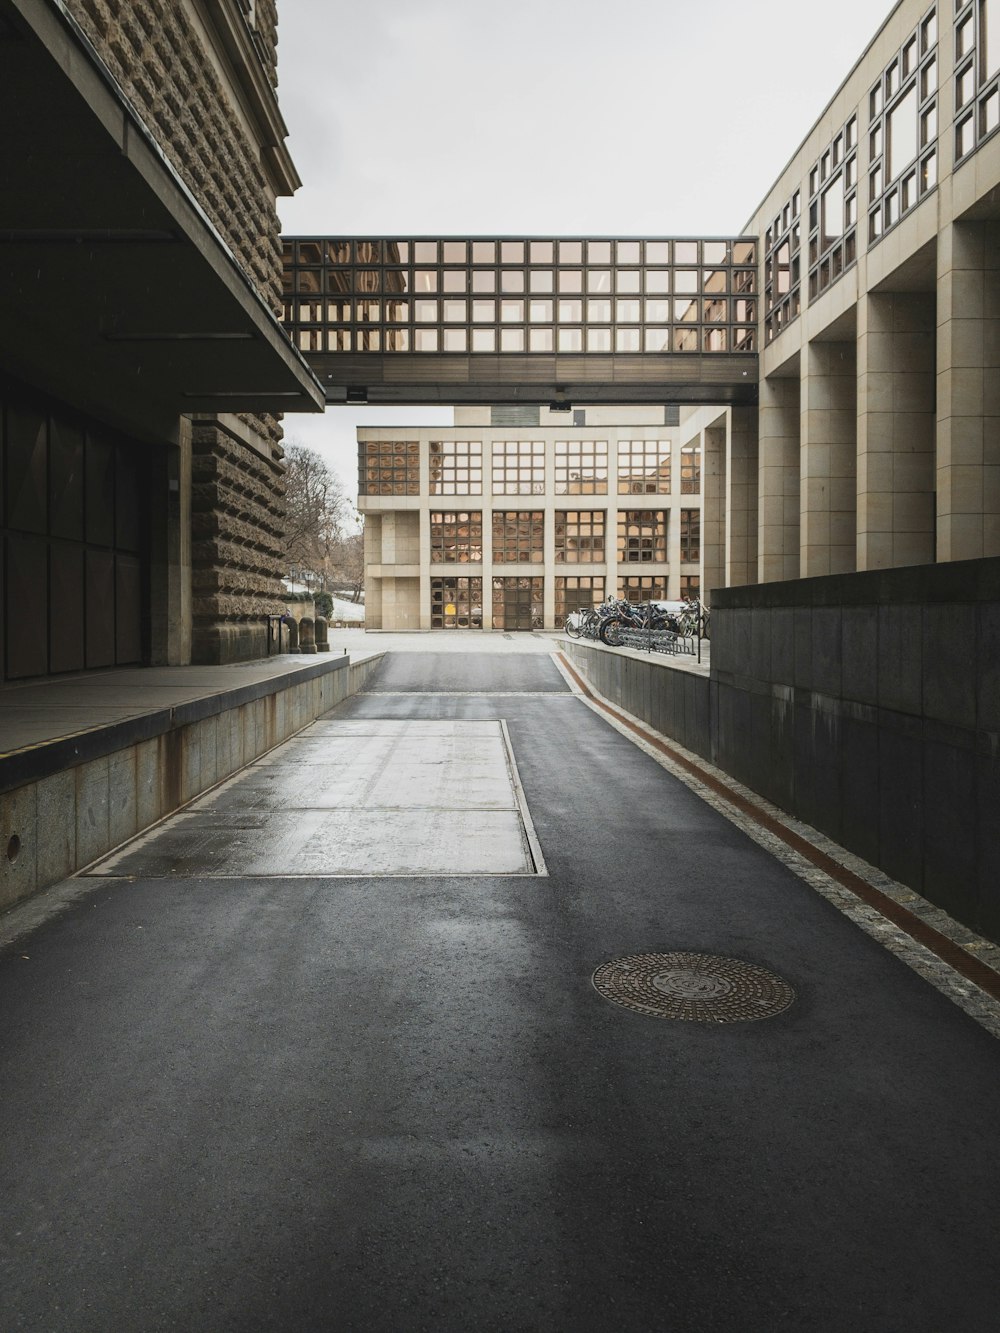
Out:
{"x": 26, "y": 611}
{"x": 311, "y": 252}
{"x": 308, "y": 281}
{"x": 100, "y": 601}
{"x": 128, "y": 501}
{"x": 65, "y": 607}
{"x": 65, "y": 480}
{"x": 27, "y": 470}
{"x": 337, "y": 252}
{"x": 128, "y": 610}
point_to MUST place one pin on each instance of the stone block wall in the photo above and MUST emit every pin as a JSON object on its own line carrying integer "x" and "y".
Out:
{"x": 155, "y": 52}
{"x": 237, "y": 528}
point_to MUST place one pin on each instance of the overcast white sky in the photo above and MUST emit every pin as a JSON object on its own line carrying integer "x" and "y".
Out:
{"x": 545, "y": 117}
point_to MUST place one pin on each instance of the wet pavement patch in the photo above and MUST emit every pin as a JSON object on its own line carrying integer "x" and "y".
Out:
{"x": 693, "y": 987}
{"x": 354, "y": 798}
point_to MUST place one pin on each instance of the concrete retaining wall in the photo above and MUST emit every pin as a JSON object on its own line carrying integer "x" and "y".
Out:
{"x": 867, "y": 705}
{"x": 135, "y": 773}
{"x": 673, "y": 701}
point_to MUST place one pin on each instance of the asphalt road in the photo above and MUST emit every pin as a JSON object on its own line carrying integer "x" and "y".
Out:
{"x": 395, "y": 1104}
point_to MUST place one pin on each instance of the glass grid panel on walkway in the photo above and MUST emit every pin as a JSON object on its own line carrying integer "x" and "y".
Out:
{"x": 521, "y": 296}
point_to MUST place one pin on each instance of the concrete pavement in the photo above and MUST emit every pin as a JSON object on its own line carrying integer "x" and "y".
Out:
{"x": 383, "y": 1103}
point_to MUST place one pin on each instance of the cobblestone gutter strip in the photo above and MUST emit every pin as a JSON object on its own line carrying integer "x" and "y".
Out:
{"x": 961, "y": 964}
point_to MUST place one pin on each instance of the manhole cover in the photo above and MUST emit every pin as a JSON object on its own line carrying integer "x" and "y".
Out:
{"x": 694, "y": 987}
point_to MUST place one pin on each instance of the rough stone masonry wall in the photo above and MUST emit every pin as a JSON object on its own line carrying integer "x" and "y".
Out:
{"x": 153, "y": 50}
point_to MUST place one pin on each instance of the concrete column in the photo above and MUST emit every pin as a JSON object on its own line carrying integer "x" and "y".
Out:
{"x": 714, "y": 509}
{"x": 828, "y": 458}
{"x": 896, "y": 424}
{"x": 424, "y": 593}
{"x": 778, "y": 480}
{"x": 741, "y": 497}
{"x": 968, "y": 391}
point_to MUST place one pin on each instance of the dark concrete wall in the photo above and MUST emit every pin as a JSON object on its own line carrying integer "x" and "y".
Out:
{"x": 868, "y": 705}
{"x": 674, "y": 702}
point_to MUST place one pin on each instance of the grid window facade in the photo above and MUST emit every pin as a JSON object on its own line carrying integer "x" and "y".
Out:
{"x": 647, "y": 588}
{"x": 642, "y": 536}
{"x": 544, "y": 296}
{"x": 518, "y": 467}
{"x": 518, "y": 536}
{"x": 691, "y": 469}
{"x": 517, "y": 603}
{"x": 579, "y": 536}
{"x": 833, "y": 210}
{"x": 456, "y": 467}
{"x": 782, "y": 268}
{"x": 902, "y": 129}
{"x": 457, "y": 538}
{"x": 389, "y": 467}
{"x": 581, "y": 467}
{"x": 690, "y": 587}
{"x": 457, "y": 603}
{"x": 576, "y": 594}
{"x": 977, "y": 74}
{"x": 690, "y": 535}
{"x": 644, "y": 467}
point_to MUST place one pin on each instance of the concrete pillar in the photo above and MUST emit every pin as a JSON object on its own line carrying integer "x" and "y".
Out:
{"x": 714, "y": 509}
{"x": 828, "y": 459}
{"x": 741, "y": 497}
{"x": 896, "y": 425}
{"x": 968, "y": 391}
{"x": 778, "y": 480}
{"x": 170, "y": 552}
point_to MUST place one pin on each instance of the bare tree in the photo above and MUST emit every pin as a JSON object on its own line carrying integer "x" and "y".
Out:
{"x": 317, "y": 514}
{"x": 349, "y": 563}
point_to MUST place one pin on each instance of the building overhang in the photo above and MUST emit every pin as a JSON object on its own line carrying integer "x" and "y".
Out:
{"x": 454, "y": 379}
{"x": 118, "y": 294}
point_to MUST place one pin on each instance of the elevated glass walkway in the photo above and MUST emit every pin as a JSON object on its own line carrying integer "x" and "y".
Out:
{"x": 526, "y": 320}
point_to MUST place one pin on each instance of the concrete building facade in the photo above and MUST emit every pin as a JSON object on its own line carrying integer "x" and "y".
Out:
{"x": 498, "y": 523}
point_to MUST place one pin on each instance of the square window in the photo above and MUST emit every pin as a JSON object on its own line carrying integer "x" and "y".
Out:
{"x": 456, "y": 340}
{"x": 540, "y": 312}
{"x": 425, "y": 312}
{"x": 540, "y": 340}
{"x": 541, "y": 280}
{"x": 599, "y": 312}
{"x": 599, "y": 340}
{"x": 454, "y": 312}
{"x": 484, "y": 340}
{"x": 571, "y": 340}
{"x": 484, "y": 252}
{"x": 512, "y": 340}
{"x": 627, "y": 340}
{"x": 484, "y": 312}
{"x": 657, "y": 281}
{"x": 598, "y": 280}
{"x": 425, "y": 340}
{"x": 511, "y": 279}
